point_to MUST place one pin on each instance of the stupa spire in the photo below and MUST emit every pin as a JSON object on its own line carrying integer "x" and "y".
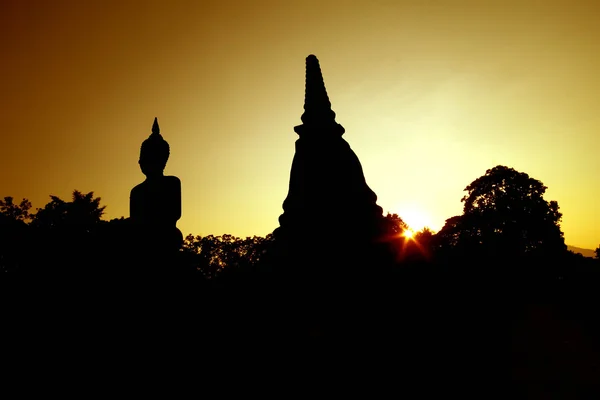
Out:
{"x": 317, "y": 107}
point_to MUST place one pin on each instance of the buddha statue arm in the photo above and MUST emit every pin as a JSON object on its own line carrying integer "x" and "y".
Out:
{"x": 134, "y": 207}
{"x": 173, "y": 188}
{"x": 177, "y": 205}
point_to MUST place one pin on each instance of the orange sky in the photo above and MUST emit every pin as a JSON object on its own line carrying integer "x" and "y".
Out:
{"x": 431, "y": 93}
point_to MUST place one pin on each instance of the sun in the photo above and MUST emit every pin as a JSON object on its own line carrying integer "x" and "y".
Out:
{"x": 409, "y": 234}
{"x": 415, "y": 218}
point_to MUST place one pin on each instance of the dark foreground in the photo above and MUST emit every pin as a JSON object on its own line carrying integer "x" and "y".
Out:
{"x": 533, "y": 334}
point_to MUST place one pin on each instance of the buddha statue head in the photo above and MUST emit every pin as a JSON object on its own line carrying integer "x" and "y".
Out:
{"x": 154, "y": 153}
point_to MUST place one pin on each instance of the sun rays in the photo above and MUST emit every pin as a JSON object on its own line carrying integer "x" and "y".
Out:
{"x": 409, "y": 234}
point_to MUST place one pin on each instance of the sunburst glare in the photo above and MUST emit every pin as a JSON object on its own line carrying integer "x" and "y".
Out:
{"x": 415, "y": 218}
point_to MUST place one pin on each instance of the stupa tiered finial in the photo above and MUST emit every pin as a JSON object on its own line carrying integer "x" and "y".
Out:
{"x": 318, "y": 114}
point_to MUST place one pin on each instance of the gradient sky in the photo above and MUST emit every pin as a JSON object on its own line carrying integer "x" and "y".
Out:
{"x": 431, "y": 93}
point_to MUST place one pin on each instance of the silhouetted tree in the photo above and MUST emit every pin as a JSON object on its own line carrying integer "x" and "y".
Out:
{"x": 598, "y": 253}
{"x": 424, "y": 235}
{"x": 505, "y": 215}
{"x": 214, "y": 254}
{"x": 14, "y": 233}
{"x": 393, "y": 228}
{"x": 83, "y": 211}
{"x": 66, "y": 234}
{"x": 458, "y": 237}
{"x": 395, "y": 224}
{"x": 18, "y": 212}
{"x": 424, "y": 238}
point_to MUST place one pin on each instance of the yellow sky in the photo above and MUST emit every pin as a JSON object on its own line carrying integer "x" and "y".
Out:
{"x": 431, "y": 93}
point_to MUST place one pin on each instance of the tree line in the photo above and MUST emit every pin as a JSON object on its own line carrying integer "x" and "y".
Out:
{"x": 505, "y": 217}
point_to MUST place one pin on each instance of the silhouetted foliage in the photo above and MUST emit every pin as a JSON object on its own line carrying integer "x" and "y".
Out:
{"x": 215, "y": 254}
{"x": 425, "y": 235}
{"x": 18, "y": 212}
{"x": 424, "y": 238}
{"x": 64, "y": 233}
{"x": 14, "y": 240}
{"x": 504, "y": 215}
{"x": 395, "y": 224}
{"x": 83, "y": 211}
{"x": 598, "y": 253}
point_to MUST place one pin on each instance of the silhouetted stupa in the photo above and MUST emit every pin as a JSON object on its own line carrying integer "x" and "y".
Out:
{"x": 330, "y": 214}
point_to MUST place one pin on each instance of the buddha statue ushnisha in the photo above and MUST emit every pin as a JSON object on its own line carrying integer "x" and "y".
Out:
{"x": 155, "y": 204}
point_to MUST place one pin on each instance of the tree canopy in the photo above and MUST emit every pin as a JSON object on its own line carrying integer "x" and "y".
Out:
{"x": 395, "y": 225}
{"x": 83, "y": 211}
{"x": 13, "y": 211}
{"x": 505, "y": 214}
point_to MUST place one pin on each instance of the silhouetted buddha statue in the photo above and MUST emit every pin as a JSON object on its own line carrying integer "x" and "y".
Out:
{"x": 155, "y": 204}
